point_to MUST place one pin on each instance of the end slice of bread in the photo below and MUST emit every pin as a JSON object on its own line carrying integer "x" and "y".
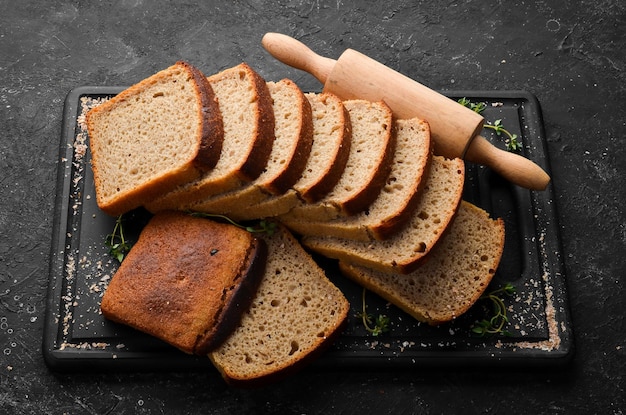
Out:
{"x": 246, "y": 107}
{"x": 290, "y": 152}
{"x": 457, "y": 273}
{"x": 154, "y": 136}
{"x": 397, "y": 200}
{"x": 332, "y": 137}
{"x": 371, "y": 151}
{"x": 296, "y": 314}
{"x": 403, "y": 252}
{"x": 186, "y": 281}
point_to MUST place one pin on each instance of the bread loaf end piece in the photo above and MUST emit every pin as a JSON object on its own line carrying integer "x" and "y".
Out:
{"x": 186, "y": 281}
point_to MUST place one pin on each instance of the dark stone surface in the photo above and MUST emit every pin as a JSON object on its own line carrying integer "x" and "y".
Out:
{"x": 571, "y": 56}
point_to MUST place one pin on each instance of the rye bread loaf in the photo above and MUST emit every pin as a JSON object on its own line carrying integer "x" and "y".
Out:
{"x": 296, "y": 314}
{"x": 403, "y": 251}
{"x": 152, "y": 137}
{"x": 290, "y": 152}
{"x": 332, "y": 136}
{"x": 395, "y": 203}
{"x": 371, "y": 151}
{"x": 186, "y": 281}
{"x": 248, "y": 116}
{"x": 457, "y": 273}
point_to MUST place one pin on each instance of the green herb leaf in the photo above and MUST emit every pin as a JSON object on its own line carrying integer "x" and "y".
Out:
{"x": 498, "y": 320}
{"x": 512, "y": 143}
{"x": 377, "y": 327}
{"x": 263, "y": 226}
{"x": 117, "y": 243}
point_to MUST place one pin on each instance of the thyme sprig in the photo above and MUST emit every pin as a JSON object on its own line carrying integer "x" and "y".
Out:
{"x": 375, "y": 327}
{"x": 117, "y": 242}
{"x": 512, "y": 143}
{"x": 496, "y": 323}
{"x": 262, "y": 226}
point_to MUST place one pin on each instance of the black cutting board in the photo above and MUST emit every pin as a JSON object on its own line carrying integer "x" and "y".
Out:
{"x": 77, "y": 337}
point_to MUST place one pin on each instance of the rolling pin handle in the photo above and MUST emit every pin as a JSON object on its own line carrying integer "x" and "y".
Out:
{"x": 513, "y": 167}
{"x": 296, "y": 54}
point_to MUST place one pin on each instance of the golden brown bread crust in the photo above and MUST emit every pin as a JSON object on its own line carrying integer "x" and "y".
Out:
{"x": 290, "y": 176}
{"x": 186, "y": 281}
{"x": 212, "y": 127}
{"x": 262, "y": 147}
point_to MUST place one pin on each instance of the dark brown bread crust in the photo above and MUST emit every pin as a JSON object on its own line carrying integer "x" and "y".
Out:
{"x": 321, "y": 188}
{"x": 288, "y": 177}
{"x": 212, "y": 127}
{"x": 186, "y": 280}
{"x": 255, "y": 164}
{"x": 237, "y": 298}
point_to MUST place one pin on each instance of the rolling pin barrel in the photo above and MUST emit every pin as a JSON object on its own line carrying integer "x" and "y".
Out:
{"x": 452, "y": 125}
{"x": 454, "y": 128}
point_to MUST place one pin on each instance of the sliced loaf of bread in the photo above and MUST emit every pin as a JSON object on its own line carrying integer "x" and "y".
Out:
{"x": 246, "y": 107}
{"x": 332, "y": 136}
{"x": 395, "y": 203}
{"x": 186, "y": 281}
{"x": 457, "y": 273}
{"x": 403, "y": 252}
{"x": 296, "y": 313}
{"x": 369, "y": 163}
{"x": 290, "y": 152}
{"x": 152, "y": 137}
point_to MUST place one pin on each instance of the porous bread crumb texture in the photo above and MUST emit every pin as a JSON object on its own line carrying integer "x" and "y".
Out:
{"x": 371, "y": 149}
{"x": 295, "y": 310}
{"x": 401, "y": 189}
{"x": 134, "y": 143}
{"x": 458, "y": 271}
{"x": 248, "y": 123}
{"x": 327, "y": 158}
{"x": 371, "y": 134}
{"x": 238, "y": 99}
{"x": 329, "y": 120}
{"x": 292, "y": 116}
{"x": 290, "y": 140}
{"x": 403, "y": 251}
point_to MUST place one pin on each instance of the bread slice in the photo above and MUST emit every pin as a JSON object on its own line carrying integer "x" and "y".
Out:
{"x": 332, "y": 136}
{"x": 371, "y": 151}
{"x": 403, "y": 252}
{"x": 246, "y": 107}
{"x": 296, "y": 314}
{"x": 290, "y": 152}
{"x": 152, "y": 137}
{"x": 457, "y": 273}
{"x": 395, "y": 203}
{"x": 187, "y": 280}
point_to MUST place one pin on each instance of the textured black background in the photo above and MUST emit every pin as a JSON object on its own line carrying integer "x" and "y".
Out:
{"x": 571, "y": 56}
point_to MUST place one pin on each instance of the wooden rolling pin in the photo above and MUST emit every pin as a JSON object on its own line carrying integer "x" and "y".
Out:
{"x": 455, "y": 129}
